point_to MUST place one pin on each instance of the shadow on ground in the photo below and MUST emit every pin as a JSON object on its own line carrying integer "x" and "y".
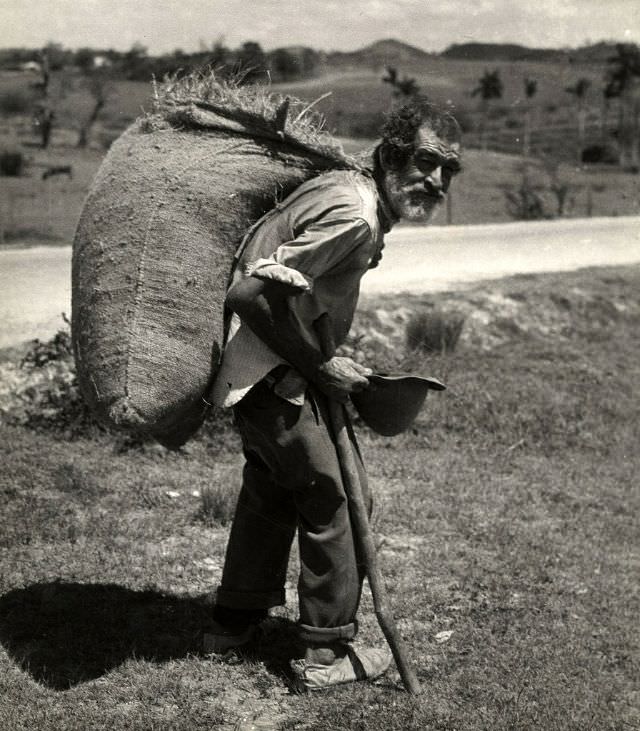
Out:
{"x": 64, "y": 634}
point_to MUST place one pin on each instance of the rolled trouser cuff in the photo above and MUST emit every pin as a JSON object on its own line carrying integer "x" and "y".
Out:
{"x": 320, "y": 635}
{"x": 250, "y": 599}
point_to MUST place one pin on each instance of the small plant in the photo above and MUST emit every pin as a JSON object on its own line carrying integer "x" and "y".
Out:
{"x": 45, "y": 396}
{"x": 11, "y": 163}
{"x": 434, "y": 332}
{"x": 525, "y": 203}
{"x": 15, "y": 102}
{"x": 58, "y": 348}
{"x": 217, "y": 505}
{"x": 77, "y": 482}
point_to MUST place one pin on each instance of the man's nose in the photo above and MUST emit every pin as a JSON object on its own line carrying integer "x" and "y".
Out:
{"x": 434, "y": 180}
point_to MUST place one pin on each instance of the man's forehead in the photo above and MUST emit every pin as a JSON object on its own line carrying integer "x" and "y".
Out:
{"x": 430, "y": 141}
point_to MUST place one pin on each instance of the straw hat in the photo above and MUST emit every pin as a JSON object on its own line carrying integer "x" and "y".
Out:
{"x": 392, "y": 402}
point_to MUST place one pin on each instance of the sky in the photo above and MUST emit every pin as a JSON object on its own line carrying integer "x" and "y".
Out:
{"x": 165, "y": 25}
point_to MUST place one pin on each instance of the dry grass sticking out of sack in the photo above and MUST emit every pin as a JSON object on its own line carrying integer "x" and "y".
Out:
{"x": 155, "y": 243}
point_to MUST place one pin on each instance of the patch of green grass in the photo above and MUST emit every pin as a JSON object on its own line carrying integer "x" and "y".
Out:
{"x": 508, "y": 516}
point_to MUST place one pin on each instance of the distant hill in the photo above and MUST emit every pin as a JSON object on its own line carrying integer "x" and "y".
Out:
{"x": 392, "y": 52}
{"x": 594, "y": 53}
{"x": 501, "y": 52}
{"x": 381, "y": 53}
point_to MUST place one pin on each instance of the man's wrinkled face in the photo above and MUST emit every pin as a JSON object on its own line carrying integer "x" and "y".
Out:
{"x": 415, "y": 189}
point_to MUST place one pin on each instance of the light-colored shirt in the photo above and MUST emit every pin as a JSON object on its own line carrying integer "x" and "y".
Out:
{"x": 321, "y": 239}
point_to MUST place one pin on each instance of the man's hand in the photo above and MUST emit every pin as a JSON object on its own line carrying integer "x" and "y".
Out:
{"x": 340, "y": 376}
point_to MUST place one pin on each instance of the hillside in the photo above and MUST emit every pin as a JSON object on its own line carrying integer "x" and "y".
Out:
{"x": 388, "y": 52}
{"x": 593, "y": 53}
{"x": 501, "y": 52}
{"x": 393, "y": 52}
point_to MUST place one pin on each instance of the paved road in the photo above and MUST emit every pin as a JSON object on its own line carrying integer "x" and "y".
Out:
{"x": 34, "y": 282}
{"x": 440, "y": 258}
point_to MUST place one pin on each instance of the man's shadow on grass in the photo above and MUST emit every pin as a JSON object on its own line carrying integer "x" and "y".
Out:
{"x": 64, "y": 634}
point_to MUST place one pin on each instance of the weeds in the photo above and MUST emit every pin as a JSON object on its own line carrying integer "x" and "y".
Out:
{"x": 525, "y": 203}
{"x": 217, "y": 505}
{"x": 434, "y": 332}
{"x": 43, "y": 393}
{"x": 12, "y": 163}
{"x": 77, "y": 482}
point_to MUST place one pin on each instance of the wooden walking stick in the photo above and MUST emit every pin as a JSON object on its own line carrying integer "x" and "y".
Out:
{"x": 360, "y": 523}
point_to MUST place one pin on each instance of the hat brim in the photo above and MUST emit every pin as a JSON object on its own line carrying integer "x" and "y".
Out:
{"x": 393, "y": 401}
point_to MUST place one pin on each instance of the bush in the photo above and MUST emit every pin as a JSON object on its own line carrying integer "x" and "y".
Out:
{"x": 11, "y": 163}
{"x": 599, "y": 153}
{"x": 41, "y": 393}
{"x": 217, "y": 505}
{"x": 15, "y": 102}
{"x": 434, "y": 331}
{"x": 525, "y": 203}
{"x": 44, "y": 394}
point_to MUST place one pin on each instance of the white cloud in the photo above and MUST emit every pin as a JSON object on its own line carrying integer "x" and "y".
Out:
{"x": 326, "y": 24}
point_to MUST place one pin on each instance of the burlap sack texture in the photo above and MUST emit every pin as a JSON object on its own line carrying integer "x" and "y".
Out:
{"x": 153, "y": 252}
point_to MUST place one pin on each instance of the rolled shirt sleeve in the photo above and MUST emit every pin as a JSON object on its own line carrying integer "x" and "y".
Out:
{"x": 320, "y": 249}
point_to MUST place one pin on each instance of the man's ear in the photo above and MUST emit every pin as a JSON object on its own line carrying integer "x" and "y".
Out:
{"x": 385, "y": 158}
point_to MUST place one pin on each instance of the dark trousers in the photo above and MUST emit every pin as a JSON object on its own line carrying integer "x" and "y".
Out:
{"x": 292, "y": 480}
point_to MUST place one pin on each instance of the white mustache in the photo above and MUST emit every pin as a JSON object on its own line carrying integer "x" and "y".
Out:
{"x": 422, "y": 192}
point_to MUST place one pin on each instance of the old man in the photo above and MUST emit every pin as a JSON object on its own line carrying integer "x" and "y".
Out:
{"x": 302, "y": 262}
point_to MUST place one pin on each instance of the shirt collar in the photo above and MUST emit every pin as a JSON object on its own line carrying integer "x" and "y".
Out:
{"x": 386, "y": 215}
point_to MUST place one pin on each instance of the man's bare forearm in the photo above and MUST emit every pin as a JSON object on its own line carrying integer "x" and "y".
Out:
{"x": 263, "y": 306}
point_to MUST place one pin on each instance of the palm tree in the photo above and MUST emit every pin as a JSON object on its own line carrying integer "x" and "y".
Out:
{"x": 579, "y": 91}
{"x": 489, "y": 87}
{"x": 405, "y": 88}
{"x": 623, "y": 81}
{"x": 530, "y": 90}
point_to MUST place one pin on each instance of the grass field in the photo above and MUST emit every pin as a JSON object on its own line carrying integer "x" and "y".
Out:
{"x": 33, "y": 210}
{"x": 507, "y": 525}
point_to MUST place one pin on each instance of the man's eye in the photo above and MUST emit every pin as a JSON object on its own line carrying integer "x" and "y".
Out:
{"x": 426, "y": 161}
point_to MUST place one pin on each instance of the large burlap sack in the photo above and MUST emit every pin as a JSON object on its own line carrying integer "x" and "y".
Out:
{"x": 153, "y": 252}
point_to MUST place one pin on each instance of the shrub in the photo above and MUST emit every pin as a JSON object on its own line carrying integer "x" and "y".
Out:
{"x": 600, "y": 153}
{"x": 217, "y": 505}
{"x": 11, "y": 163}
{"x": 15, "y": 102}
{"x": 434, "y": 331}
{"x": 44, "y": 394}
{"x": 525, "y": 203}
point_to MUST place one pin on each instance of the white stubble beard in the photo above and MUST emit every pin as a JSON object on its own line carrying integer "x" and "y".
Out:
{"x": 400, "y": 199}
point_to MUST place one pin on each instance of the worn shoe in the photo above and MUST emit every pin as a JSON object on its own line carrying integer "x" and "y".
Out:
{"x": 231, "y": 628}
{"x": 358, "y": 664}
{"x": 223, "y": 638}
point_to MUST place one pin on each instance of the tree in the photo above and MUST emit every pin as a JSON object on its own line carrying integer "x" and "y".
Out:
{"x": 220, "y": 56}
{"x": 284, "y": 65}
{"x": 84, "y": 59}
{"x": 44, "y": 116}
{"x": 623, "y": 81}
{"x": 251, "y": 62}
{"x": 134, "y": 61}
{"x": 530, "y": 90}
{"x": 404, "y": 88}
{"x": 98, "y": 87}
{"x": 489, "y": 88}
{"x": 56, "y": 55}
{"x": 579, "y": 91}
